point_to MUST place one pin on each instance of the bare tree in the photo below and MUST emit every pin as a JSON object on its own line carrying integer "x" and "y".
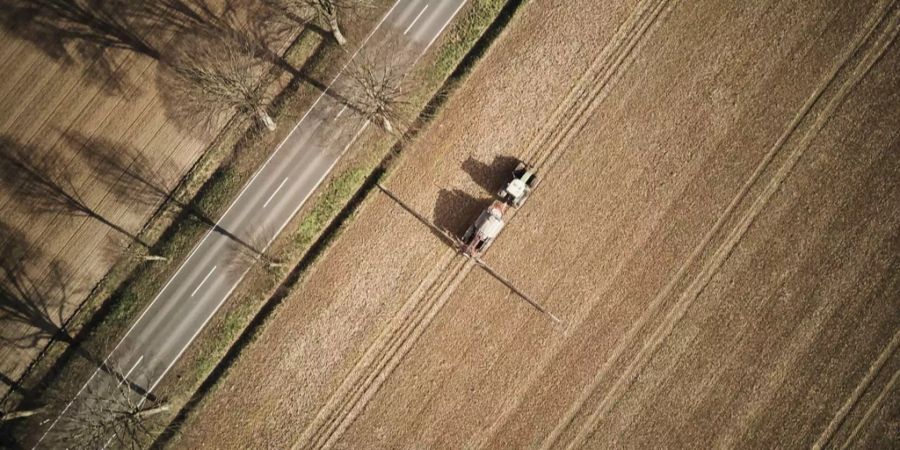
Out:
{"x": 325, "y": 12}
{"x": 215, "y": 76}
{"x": 378, "y": 92}
{"x": 105, "y": 414}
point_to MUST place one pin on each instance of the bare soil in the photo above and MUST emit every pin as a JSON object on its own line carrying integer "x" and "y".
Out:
{"x": 718, "y": 228}
{"x": 61, "y": 117}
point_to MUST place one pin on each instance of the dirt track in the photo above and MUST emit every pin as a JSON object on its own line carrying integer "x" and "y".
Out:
{"x": 718, "y": 227}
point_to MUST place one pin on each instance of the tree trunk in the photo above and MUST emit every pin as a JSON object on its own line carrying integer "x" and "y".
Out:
{"x": 266, "y": 119}
{"x": 386, "y": 124}
{"x": 19, "y": 414}
{"x": 154, "y": 258}
{"x": 336, "y": 29}
{"x": 152, "y": 411}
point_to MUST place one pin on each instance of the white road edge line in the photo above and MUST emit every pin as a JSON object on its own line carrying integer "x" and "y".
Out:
{"x": 228, "y": 294}
{"x": 341, "y": 112}
{"x": 276, "y": 191}
{"x": 247, "y": 186}
{"x": 235, "y": 202}
{"x": 281, "y": 228}
{"x": 128, "y": 374}
{"x": 441, "y": 31}
{"x": 415, "y": 20}
{"x": 204, "y": 280}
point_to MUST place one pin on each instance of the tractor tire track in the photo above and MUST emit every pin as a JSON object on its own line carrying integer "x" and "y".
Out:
{"x": 385, "y": 353}
{"x": 423, "y": 291}
{"x": 596, "y": 83}
{"x": 838, "y": 420}
{"x": 875, "y": 405}
{"x": 568, "y": 116}
{"x": 586, "y": 77}
{"x": 853, "y": 67}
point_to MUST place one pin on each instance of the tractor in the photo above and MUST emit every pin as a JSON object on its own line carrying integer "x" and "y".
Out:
{"x": 517, "y": 191}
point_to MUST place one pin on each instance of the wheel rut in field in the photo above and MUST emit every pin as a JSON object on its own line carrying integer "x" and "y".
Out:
{"x": 595, "y": 83}
{"x": 386, "y": 352}
{"x": 839, "y": 419}
{"x": 880, "y": 31}
{"x": 563, "y": 125}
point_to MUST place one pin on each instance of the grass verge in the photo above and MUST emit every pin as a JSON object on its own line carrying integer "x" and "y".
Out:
{"x": 212, "y": 184}
{"x": 466, "y": 42}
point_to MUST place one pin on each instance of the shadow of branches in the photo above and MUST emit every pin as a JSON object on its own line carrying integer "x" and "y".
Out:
{"x": 33, "y": 310}
{"x": 45, "y": 185}
{"x": 97, "y": 33}
{"x": 37, "y": 304}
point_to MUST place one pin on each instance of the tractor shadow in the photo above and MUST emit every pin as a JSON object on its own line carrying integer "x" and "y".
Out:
{"x": 455, "y": 210}
{"x": 491, "y": 177}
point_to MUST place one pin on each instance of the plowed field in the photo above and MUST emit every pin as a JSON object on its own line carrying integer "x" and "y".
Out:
{"x": 718, "y": 228}
{"x": 83, "y": 141}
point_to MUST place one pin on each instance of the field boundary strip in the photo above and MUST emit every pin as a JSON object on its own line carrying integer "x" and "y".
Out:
{"x": 484, "y": 21}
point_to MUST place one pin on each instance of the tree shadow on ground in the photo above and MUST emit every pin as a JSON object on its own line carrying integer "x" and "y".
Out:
{"x": 45, "y": 186}
{"x": 131, "y": 177}
{"x": 455, "y": 210}
{"x": 97, "y": 33}
{"x": 123, "y": 168}
{"x": 491, "y": 177}
{"x": 84, "y": 31}
{"x": 240, "y": 258}
{"x": 33, "y": 310}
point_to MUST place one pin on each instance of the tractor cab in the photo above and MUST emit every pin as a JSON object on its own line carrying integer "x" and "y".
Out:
{"x": 516, "y": 191}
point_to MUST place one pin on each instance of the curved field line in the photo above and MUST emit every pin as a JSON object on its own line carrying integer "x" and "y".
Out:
{"x": 35, "y": 126}
{"x": 871, "y": 373}
{"x": 383, "y": 354}
{"x": 857, "y": 72}
{"x": 54, "y": 220}
{"x": 608, "y": 66}
{"x": 53, "y": 224}
{"x": 129, "y": 63}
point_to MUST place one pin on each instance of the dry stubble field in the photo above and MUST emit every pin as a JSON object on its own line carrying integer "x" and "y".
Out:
{"x": 718, "y": 228}
{"x": 98, "y": 130}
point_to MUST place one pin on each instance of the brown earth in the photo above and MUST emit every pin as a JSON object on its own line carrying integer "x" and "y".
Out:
{"x": 718, "y": 228}
{"x": 99, "y": 129}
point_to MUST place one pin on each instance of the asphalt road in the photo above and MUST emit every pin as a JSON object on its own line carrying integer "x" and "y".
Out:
{"x": 267, "y": 203}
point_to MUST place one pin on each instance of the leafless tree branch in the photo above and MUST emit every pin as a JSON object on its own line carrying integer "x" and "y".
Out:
{"x": 213, "y": 76}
